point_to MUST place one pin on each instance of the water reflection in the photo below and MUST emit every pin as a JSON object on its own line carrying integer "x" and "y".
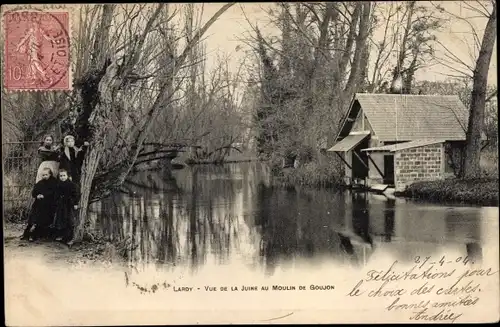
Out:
{"x": 224, "y": 214}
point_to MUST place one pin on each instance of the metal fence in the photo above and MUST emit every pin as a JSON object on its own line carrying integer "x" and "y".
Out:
{"x": 20, "y": 163}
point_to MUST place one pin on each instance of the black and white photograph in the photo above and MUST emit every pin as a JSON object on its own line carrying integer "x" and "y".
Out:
{"x": 250, "y": 163}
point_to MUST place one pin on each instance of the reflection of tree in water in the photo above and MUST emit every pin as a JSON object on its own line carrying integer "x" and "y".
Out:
{"x": 361, "y": 217}
{"x": 216, "y": 183}
{"x": 463, "y": 225}
{"x": 474, "y": 252}
{"x": 141, "y": 215}
{"x": 158, "y": 180}
{"x": 359, "y": 230}
{"x": 171, "y": 225}
{"x": 169, "y": 240}
{"x": 389, "y": 219}
{"x": 210, "y": 211}
{"x": 298, "y": 224}
{"x": 215, "y": 212}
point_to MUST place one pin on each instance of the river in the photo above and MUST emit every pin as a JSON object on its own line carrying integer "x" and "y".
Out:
{"x": 216, "y": 215}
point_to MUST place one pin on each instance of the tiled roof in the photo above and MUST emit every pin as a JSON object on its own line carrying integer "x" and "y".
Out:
{"x": 395, "y": 117}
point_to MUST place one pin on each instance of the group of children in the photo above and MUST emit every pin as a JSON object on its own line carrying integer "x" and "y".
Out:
{"x": 56, "y": 191}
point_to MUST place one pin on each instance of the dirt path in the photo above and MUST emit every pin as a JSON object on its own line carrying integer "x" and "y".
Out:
{"x": 48, "y": 283}
{"x": 14, "y": 247}
{"x": 50, "y": 252}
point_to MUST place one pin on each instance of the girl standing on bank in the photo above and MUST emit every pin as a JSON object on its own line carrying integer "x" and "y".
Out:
{"x": 49, "y": 155}
{"x": 43, "y": 209}
{"x": 71, "y": 158}
{"x": 67, "y": 198}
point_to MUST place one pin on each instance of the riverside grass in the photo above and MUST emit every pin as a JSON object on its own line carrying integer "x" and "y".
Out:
{"x": 479, "y": 191}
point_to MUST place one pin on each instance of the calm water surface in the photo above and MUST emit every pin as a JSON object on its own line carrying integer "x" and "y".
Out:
{"x": 208, "y": 215}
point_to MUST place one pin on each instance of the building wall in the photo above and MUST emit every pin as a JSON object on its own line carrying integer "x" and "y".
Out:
{"x": 418, "y": 164}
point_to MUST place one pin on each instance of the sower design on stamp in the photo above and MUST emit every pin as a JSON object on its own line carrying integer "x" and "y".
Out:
{"x": 37, "y": 50}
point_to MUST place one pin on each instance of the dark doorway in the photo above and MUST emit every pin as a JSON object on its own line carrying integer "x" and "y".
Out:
{"x": 389, "y": 169}
{"x": 360, "y": 161}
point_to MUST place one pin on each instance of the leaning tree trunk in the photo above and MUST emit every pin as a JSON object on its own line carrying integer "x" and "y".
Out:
{"x": 97, "y": 146}
{"x": 91, "y": 162}
{"x": 88, "y": 93}
{"x": 472, "y": 152}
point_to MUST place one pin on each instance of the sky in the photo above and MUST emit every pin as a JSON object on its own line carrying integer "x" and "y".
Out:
{"x": 225, "y": 35}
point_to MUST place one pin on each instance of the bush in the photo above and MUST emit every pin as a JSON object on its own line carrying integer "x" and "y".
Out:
{"x": 16, "y": 214}
{"x": 489, "y": 164}
{"x": 275, "y": 164}
{"x": 17, "y": 196}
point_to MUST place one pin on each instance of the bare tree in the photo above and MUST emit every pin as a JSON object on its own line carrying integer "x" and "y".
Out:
{"x": 471, "y": 167}
{"x": 407, "y": 42}
{"x": 117, "y": 86}
{"x": 384, "y": 48}
{"x": 309, "y": 73}
{"x": 480, "y": 53}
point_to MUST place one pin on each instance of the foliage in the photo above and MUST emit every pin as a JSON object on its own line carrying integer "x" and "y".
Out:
{"x": 489, "y": 162}
{"x": 17, "y": 214}
{"x": 312, "y": 174}
{"x": 310, "y": 71}
{"x": 308, "y": 74}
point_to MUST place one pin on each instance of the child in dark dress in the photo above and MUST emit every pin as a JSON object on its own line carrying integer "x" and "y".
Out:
{"x": 67, "y": 198}
{"x": 43, "y": 209}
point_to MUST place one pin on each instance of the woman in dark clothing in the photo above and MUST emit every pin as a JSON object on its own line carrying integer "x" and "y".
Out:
{"x": 43, "y": 209}
{"x": 49, "y": 157}
{"x": 71, "y": 158}
{"x": 67, "y": 198}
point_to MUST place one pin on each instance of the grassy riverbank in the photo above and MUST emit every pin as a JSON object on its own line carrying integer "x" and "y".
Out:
{"x": 312, "y": 174}
{"x": 481, "y": 191}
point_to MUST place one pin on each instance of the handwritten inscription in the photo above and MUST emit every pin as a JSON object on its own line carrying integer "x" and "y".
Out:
{"x": 450, "y": 285}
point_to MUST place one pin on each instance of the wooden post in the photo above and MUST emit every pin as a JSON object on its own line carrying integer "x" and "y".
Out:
{"x": 362, "y": 120}
{"x": 376, "y": 167}
{"x": 361, "y": 160}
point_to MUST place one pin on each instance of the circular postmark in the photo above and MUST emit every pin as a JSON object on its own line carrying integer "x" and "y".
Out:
{"x": 37, "y": 49}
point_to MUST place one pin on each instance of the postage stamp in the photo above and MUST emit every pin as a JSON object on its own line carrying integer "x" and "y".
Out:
{"x": 37, "y": 50}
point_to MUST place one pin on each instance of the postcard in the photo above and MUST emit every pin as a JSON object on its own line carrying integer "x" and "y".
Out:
{"x": 251, "y": 163}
